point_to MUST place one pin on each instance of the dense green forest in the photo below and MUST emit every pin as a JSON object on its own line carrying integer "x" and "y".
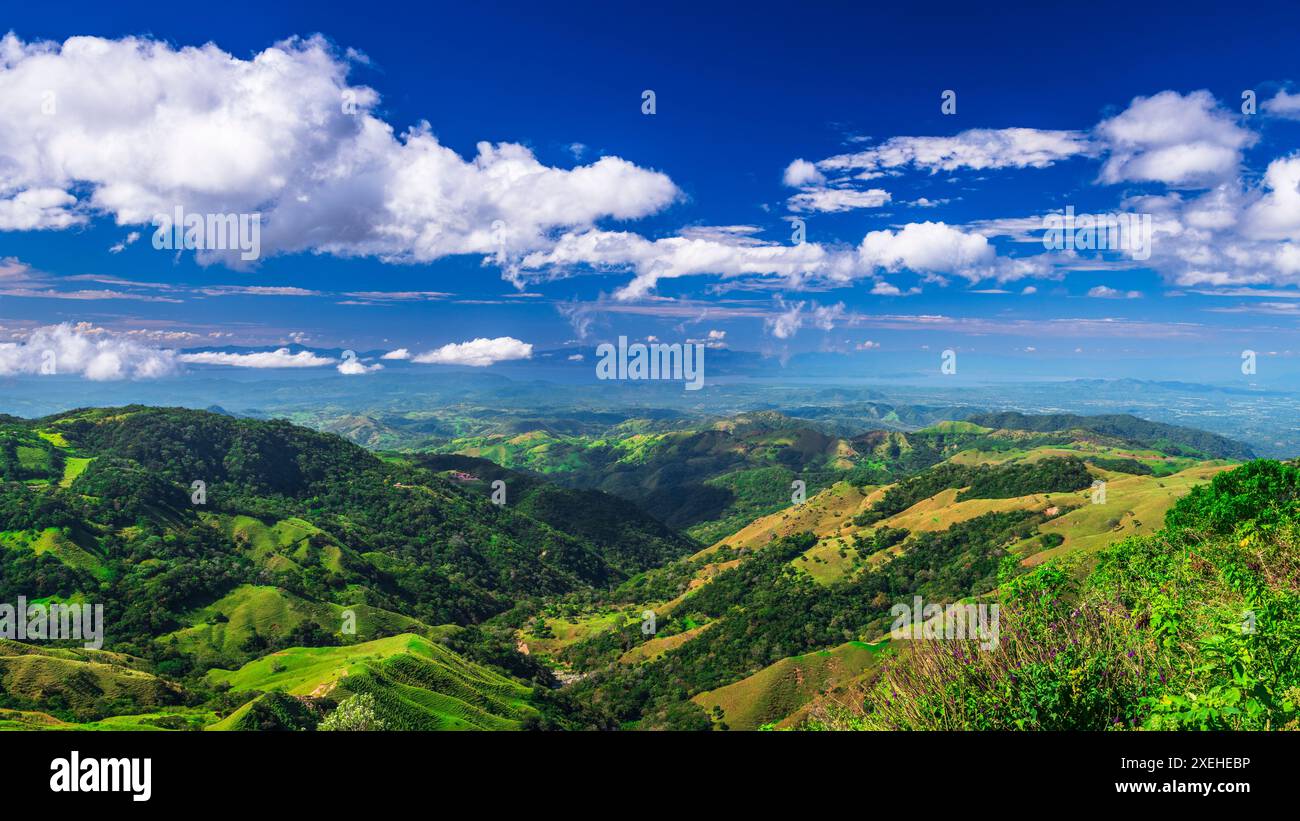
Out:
{"x": 325, "y": 523}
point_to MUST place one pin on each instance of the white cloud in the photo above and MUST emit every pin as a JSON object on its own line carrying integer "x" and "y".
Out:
{"x": 400, "y": 353}
{"x": 672, "y": 257}
{"x": 794, "y": 315}
{"x": 834, "y": 200}
{"x": 1284, "y": 105}
{"x": 129, "y": 239}
{"x": 1105, "y": 292}
{"x": 478, "y": 352}
{"x": 141, "y": 127}
{"x": 928, "y": 247}
{"x": 713, "y": 339}
{"x": 1276, "y": 215}
{"x": 68, "y": 349}
{"x": 351, "y": 366}
{"x": 787, "y": 323}
{"x": 868, "y": 345}
{"x": 35, "y": 208}
{"x": 1182, "y": 140}
{"x": 976, "y": 149}
{"x": 257, "y": 290}
{"x": 279, "y": 358}
{"x": 800, "y": 173}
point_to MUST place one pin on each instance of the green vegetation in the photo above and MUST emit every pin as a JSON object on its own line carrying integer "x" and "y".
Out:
{"x": 1194, "y": 627}
{"x": 314, "y": 585}
{"x": 1050, "y": 475}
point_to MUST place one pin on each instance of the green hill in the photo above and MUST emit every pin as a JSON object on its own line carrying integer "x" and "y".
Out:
{"x": 77, "y": 683}
{"x": 417, "y": 684}
{"x": 256, "y": 575}
{"x": 1193, "y": 627}
{"x": 712, "y": 478}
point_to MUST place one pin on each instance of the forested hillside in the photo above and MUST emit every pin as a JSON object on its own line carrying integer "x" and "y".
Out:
{"x": 256, "y": 575}
{"x": 211, "y": 540}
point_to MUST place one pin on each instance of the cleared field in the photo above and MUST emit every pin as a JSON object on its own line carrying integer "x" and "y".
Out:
{"x": 778, "y": 692}
{"x": 826, "y": 512}
{"x": 286, "y": 545}
{"x": 54, "y": 438}
{"x": 656, "y": 647}
{"x": 73, "y": 466}
{"x": 177, "y": 718}
{"x": 80, "y": 679}
{"x": 63, "y": 547}
{"x": 224, "y": 632}
{"x": 569, "y": 631}
{"x": 417, "y": 684}
{"x": 1134, "y": 504}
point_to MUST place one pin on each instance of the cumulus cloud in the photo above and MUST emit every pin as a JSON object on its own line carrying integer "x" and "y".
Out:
{"x": 1180, "y": 140}
{"x": 1283, "y": 105}
{"x": 279, "y": 358}
{"x": 478, "y": 353}
{"x": 399, "y": 354}
{"x": 351, "y": 366}
{"x": 1237, "y": 233}
{"x": 69, "y": 349}
{"x": 140, "y": 127}
{"x": 679, "y": 256}
{"x": 35, "y": 208}
{"x": 800, "y": 173}
{"x": 713, "y": 339}
{"x": 1276, "y": 214}
{"x": 926, "y": 247}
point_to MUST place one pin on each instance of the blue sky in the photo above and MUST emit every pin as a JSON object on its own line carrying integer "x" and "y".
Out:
{"x": 586, "y": 218}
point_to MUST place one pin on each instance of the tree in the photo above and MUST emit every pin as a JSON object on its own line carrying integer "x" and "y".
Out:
{"x": 355, "y": 713}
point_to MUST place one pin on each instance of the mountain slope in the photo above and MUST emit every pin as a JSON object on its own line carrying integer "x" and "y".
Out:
{"x": 217, "y": 541}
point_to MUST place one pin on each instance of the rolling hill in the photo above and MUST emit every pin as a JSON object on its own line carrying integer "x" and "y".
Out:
{"x": 260, "y": 576}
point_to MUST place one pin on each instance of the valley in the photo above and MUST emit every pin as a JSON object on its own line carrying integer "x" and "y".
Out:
{"x": 650, "y": 575}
